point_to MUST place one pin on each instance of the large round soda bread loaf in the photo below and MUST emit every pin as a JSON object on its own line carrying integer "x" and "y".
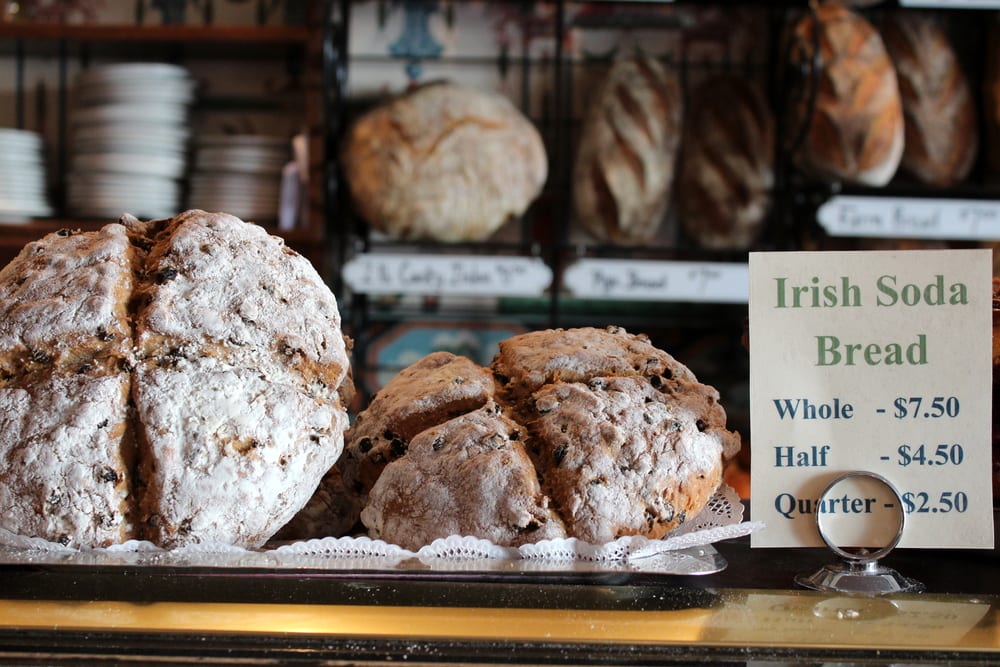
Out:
{"x": 178, "y": 380}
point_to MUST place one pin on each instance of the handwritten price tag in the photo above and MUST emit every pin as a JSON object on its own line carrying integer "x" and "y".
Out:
{"x": 470, "y": 275}
{"x": 653, "y": 280}
{"x": 876, "y": 361}
{"x": 900, "y": 217}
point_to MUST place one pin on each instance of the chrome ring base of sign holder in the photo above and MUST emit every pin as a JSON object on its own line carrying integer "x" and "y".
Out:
{"x": 859, "y": 570}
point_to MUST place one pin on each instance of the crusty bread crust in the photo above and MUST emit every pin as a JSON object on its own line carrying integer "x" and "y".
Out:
{"x": 726, "y": 177}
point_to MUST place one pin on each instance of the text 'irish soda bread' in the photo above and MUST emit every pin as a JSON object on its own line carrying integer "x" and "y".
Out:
{"x": 176, "y": 380}
{"x": 586, "y": 433}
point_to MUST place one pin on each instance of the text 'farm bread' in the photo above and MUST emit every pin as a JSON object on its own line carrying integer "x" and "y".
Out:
{"x": 942, "y": 133}
{"x": 177, "y": 380}
{"x": 854, "y": 132}
{"x": 586, "y": 433}
{"x": 443, "y": 162}
{"x": 627, "y": 152}
{"x": 727, "y": 164}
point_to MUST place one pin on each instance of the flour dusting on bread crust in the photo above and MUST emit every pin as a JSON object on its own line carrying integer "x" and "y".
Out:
{"x": 174, "y": 380}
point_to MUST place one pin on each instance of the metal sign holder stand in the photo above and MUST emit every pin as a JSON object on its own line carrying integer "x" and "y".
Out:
{"x": 859, "y": 570}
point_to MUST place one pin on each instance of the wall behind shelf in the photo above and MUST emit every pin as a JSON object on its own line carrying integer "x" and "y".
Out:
{"x": 251, "y": 77}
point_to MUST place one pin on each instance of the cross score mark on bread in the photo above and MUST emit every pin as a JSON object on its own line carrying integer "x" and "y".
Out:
{"x": 177, "y": 380}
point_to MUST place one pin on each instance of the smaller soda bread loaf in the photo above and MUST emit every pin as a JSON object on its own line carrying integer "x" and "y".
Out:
{"x": 727, "y": 166}
{"x": 626, "y": 155}
{"x": 587, "y": 433}
{"x": 855, "y": 132}
{"x": 942, "y": 134}
{"x": 445, "y": 163}
{"x": 179, "y": 381}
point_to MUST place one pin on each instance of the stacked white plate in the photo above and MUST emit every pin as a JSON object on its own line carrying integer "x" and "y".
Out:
{"x": 23, "y": 193}
{"x": 239, "y": 174}
{"x": 129, "y": 140}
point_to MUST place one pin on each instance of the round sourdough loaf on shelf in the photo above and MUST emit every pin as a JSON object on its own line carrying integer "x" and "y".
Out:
{"x": 625, "y": 161}
{"x": 586, "y": 433}
{"x": 176, "y": 380}
{"x": 443, "y": 162}
{"x": 854, "y": 130}
{"x": 942, "y": 134}
{"x": 727, "y": 166}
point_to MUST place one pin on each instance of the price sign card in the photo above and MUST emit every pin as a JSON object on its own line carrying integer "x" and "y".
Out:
{"x": 874, "y": 361}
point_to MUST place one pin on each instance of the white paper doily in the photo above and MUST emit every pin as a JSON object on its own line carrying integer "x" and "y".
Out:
{"x": 680, "y": 552}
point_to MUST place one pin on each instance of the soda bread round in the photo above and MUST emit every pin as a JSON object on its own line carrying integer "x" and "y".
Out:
{"x": 176, "y": 380}
{"x": 587, "y": 433}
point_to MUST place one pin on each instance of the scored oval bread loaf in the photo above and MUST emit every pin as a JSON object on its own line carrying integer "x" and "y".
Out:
{"x": 178, "y": 381}
{"x": 855, "y": 131}
{"x": 727, "y": 164}
{"x": 942, "y": 134}
{"x": 443, "y": 162}
{"x": 626, "y": 154}
{"x": 586, "y": 433}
